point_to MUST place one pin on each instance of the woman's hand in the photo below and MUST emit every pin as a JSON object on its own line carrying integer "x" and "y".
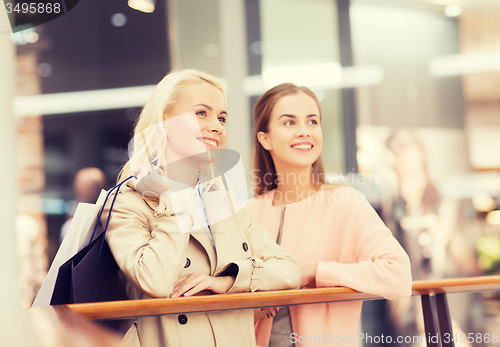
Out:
{"x": 194, "y": 283}
{"x": 265, "y": 312}
{"x": 308, "y": 276}
{"x": 150, "y": 181}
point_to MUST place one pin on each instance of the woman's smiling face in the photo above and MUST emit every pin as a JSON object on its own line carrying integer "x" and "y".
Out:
{"x": 294, "y": 137}
{"x": 196, "y": 122}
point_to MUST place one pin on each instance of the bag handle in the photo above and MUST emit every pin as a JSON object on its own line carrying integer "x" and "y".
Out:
{"x": 117, "y": 187}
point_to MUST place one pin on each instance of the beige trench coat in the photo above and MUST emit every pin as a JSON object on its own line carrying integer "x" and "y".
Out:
{"x": 145, "y": 240}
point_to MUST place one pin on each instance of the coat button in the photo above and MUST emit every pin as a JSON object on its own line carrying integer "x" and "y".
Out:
{"x": 245, "y": 246}
{"x": 188, "y": 262}
{"x": 182, "y": 319}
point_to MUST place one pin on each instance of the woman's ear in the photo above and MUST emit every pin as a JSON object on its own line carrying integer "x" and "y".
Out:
{"x": 264, "y": 140}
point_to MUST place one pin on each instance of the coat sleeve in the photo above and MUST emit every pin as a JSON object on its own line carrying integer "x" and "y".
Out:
{"x": 150, "y": 251}
{"x": 270, "y": 268}
{"x": 382, "y": 267}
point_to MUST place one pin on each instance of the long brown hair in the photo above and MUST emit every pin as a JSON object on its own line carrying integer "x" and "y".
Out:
{"x": 262, "y": 161}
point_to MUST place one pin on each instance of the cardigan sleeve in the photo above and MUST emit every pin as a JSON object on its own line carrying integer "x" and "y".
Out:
{"x": 270, "y": 268}
{"x": 150, "y": 251}
{"x": 382, "y": 267}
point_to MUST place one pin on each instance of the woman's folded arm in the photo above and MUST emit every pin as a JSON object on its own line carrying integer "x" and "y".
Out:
{"x": 150, "y": 251}
{"x": 270, "y": 268}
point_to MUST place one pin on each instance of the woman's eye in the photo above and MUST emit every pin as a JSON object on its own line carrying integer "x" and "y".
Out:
{"x": 222, "y": 120}
{"x": 313, "y": 121}
{"x": 201, "y": 113}
{"x": 289, "y": 122}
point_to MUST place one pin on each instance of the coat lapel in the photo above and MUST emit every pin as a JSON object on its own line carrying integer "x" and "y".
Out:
{"x": 198, "y": 233}
{"x": 201, "y": 236}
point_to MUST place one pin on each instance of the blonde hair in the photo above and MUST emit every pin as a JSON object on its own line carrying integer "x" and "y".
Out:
{"x": 149, "y": 139}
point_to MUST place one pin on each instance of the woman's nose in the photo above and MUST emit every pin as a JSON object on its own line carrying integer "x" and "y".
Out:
{"x": 303, "y": 131}
{"x": 215, "y": 126}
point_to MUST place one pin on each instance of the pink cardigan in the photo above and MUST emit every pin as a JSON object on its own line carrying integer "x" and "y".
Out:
{"x": 339, "y": 230}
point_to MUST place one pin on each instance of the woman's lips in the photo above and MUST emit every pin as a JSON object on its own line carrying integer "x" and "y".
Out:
{"x": 211, "y": 143}
{"x": 302, "y": 146}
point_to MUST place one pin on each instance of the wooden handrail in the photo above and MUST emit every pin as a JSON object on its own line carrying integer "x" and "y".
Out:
{"x": 148, "y": 307}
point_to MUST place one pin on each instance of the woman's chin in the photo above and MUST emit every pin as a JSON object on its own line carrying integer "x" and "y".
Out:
{"x": 206, "y": 157}
{"x": 298, "y": 164}
{"x": 304, "y": 161}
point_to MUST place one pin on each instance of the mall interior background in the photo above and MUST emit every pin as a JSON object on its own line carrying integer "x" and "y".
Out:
{"x": 410, "y": 94}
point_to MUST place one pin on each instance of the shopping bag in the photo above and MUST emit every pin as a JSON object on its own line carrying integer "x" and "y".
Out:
{"x": 78, "y": 235}
{"x": 92, "y": 274}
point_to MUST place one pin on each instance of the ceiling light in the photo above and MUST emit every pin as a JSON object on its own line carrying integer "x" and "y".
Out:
{"x": 453, "y": 10}
{"x": 118, "y": 19}
{"x": 312, "y": 75}
{"x": 493, "y": 217}
{"x": 465, "y": 63}
{"x": 147, "y": 6}
{"x": 318, "y": 77}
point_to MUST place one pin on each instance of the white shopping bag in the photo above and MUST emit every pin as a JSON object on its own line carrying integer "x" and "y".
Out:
{"x": 78, "y": 236}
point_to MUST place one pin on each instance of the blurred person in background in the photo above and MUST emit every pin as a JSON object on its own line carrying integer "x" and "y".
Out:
{"x": 87, "y": 184}
{"x": 428, "y": 227}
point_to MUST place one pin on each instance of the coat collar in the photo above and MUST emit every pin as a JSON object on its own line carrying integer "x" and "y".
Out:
{"x": 219, "y": 203}
{"x": 217, "y": 207}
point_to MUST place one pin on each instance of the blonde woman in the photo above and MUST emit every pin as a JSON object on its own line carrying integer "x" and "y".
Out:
{"x": 335, "y": 235}
{"x": 169, "y": 231}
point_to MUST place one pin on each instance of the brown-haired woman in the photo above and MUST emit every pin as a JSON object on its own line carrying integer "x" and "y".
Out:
{"x": 334, "y": 233}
